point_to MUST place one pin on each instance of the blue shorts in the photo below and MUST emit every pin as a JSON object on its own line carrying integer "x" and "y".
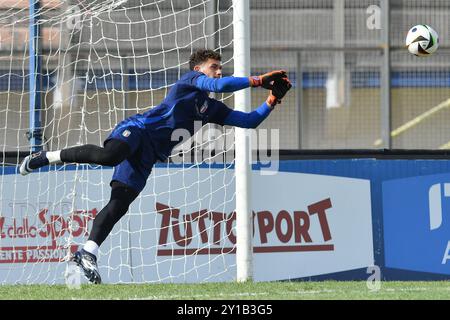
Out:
{"x": 134, "y": 170}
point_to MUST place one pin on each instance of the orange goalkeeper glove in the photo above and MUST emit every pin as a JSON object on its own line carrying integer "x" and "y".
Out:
{"x": 266, "y": 80}
{"x": 280, "y": 88}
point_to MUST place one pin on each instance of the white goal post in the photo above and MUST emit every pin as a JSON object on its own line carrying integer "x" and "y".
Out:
{"x": 244, "y": 248}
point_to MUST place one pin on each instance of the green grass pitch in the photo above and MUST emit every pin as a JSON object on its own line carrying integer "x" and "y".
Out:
{"x": 335, "y": 290}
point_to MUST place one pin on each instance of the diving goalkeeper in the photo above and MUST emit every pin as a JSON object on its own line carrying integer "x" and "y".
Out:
{"x": 136, "y": 143}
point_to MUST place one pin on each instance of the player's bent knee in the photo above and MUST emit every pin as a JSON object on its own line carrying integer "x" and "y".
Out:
{"x": 115, "y": 152}
{"x": 110, "y": 157}
{"x": 114, "y": 161}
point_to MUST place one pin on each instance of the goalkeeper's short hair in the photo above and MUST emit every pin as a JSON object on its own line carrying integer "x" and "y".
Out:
{"x": 202, "y": 55}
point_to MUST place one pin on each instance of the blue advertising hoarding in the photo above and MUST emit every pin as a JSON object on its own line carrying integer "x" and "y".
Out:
{"x": 404, "y": 246}
{"x": 416, "y": 214}
{"x": 410, "y": 203}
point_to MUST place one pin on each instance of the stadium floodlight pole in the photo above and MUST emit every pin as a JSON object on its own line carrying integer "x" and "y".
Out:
{"x": 35, "y": 78}
{"x": 244, "y": 234}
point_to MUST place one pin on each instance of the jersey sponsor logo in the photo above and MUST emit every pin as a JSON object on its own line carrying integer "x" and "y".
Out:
{"x": 126, "y": 133}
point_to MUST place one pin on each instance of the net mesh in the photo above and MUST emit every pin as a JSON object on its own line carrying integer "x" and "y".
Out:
{"x": 103, "y": 61}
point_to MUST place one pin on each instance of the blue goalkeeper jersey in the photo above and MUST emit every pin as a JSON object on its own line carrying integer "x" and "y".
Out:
{"x": 150, "y": 135}
{"x": 186, "y": 102}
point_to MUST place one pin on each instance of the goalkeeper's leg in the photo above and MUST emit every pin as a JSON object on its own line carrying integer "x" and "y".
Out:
{"x": 121, "y": 198}
{"x": 114, "y": 152}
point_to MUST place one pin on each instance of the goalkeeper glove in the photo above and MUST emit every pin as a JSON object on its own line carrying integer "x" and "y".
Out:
{"x": 280, "y": 88}
{"x": 266, "y": 80}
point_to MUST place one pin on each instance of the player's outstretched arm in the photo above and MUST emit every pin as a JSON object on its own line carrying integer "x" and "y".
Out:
{"x": 249, "y": 120}
{"x": 231, "y": 84}
{"x": 253, "y": 119}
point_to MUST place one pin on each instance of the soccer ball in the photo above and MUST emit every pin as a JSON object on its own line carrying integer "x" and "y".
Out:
{"x": 422, "y": 40}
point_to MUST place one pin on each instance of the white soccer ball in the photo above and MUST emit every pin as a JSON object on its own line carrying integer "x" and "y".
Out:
{"x": 422, "y": 40}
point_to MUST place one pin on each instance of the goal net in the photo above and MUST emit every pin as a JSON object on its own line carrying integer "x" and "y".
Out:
{"x": 103, "y": 61}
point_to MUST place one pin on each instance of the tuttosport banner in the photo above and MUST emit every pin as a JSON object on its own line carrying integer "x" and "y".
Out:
{"x": 182, "y": 228}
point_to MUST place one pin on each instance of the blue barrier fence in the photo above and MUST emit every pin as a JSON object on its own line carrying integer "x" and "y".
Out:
{"x": 410, "y": 202}
{"x": 143, "y": 79}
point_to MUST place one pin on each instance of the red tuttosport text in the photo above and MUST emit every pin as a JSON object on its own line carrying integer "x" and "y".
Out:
{"x": 296, "y": 233}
